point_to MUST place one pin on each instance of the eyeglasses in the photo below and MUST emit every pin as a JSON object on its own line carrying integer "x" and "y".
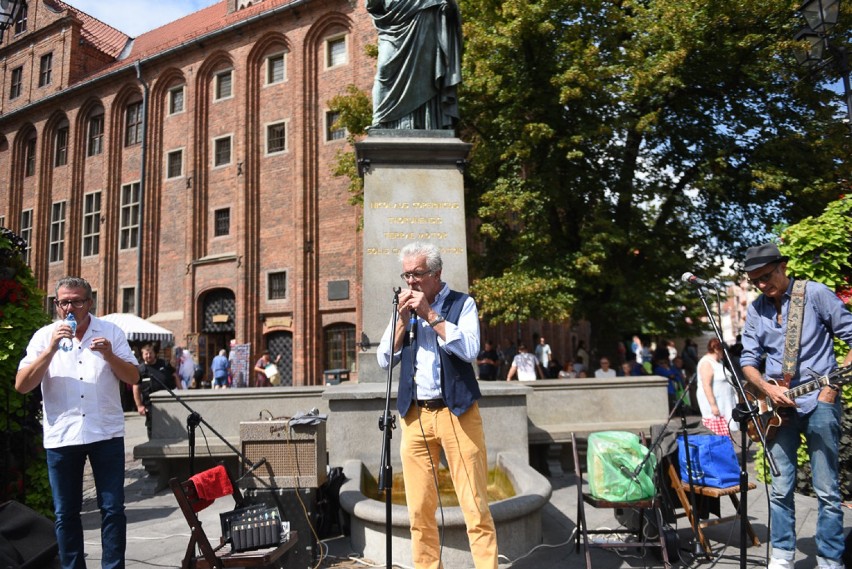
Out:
{"x": 764, "y": 278}
{"x": 414, "y": 275}
{"x": 74, "y": 303}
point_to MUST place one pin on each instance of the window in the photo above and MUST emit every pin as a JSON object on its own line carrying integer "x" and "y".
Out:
{"x": 340, "y": 347}
{"x": 2, "y": 221}
{"x": 222, "y": 151}
{"x": 276, "y": 285}
{"x": 45, "y": 69}
{"x": 30, "y": 157}
{"x": 57, "y": 232}
{"x": 224, "y": 85}
{"x": 27, "y": 232}
{"x": 174, "y": 164}
{"x": 93, "y": 306}
{"x": 133, "y": 124}
{"x": 176, "y": 100}
{"x": 91, "y": 224}
{"x": 128, "y": 300}
{"x": 129, "y": 228}
{"x": 21, "y": 22}
{"x": 276, "y": 137}
{"x": 61, "y": 152}
{"x": 275, "y": 69}
{"x": 222, "y": 222}
{"x": 335, "y": 51}
{"x": 96, "y": 135}
{"x": 333, "y": 132}
{"x": 51, "y": 307}
{"x": 16, "y": 83}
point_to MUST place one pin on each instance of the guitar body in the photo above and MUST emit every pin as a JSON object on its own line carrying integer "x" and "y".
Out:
{"x": 767, "y": 416}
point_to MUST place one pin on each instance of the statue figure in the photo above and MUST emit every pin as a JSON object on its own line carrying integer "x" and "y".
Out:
{"x": 419, "y": 64}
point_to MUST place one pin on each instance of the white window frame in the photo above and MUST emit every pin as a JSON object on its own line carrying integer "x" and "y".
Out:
{"x": 286, "y": 285}
{"x": 128, "y": 231}
{"x": 91, "y": 143}
{"x": 167, "y": 165}
{"x": 91, "y": 246}
{"x": 214, "y": 154}
{"x": 266, "y": 128}
{"x": 27, "y": 233}
{"x": 57, "y": 232}
{"x": 328, "y": 51}
{"x": 171, "y": 99}
{"x": 328, "y": 130}
{"x": 216, "y": 82}
{"x": 268, "y": 68}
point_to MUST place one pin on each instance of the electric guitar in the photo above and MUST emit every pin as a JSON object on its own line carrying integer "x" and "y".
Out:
{"x": 768, "y": 417}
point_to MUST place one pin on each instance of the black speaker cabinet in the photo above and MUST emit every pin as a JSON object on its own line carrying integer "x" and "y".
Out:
{"x": 290, "y": 502}
{"x": 27, "y": 539}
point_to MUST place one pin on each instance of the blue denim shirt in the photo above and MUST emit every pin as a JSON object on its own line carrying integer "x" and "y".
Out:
{"x": 825, "y": 316}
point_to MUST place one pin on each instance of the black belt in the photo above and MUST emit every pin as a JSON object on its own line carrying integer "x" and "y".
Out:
{"x": 431, "y": 403}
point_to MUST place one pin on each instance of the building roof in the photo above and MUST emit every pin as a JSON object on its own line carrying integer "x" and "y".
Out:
{"x": 103, "y": 36}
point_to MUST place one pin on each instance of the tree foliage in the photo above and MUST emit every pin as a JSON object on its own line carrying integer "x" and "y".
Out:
{"x": 24, "y": 475}
{"x": 618, "y": 144}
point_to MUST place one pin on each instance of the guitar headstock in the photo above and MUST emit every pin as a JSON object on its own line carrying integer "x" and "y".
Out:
{"x": 840, "y": 376}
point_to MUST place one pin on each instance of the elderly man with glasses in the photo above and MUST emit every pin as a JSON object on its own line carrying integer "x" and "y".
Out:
{"x": 437, "y": 400}
{"x": 816, "y": 415}
{"x": 83, "y": 418}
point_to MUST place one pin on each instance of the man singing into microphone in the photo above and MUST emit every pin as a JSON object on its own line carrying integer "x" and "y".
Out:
{"x": 437, "y": 402}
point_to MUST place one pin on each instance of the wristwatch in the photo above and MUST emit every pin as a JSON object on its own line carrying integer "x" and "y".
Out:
{"x": 437, "y": 321}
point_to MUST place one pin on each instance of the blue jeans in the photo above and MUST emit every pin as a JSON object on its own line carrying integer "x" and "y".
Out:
{"x": 65, "y": 470}
{"x": 822, "y": 433}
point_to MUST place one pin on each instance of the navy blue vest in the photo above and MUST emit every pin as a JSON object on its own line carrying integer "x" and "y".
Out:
{"x": 458, "y": 380}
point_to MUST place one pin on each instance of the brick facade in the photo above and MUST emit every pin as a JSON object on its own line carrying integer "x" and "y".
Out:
{"x": 287, "y": 212}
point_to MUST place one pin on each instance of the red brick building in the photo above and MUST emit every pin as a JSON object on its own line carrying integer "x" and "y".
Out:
{"x": 212, "y": 130}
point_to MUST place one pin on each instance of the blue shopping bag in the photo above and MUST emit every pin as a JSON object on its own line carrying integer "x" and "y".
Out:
{"x": 712, "y": 459}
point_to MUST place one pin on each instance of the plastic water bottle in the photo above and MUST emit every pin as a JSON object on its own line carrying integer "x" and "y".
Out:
{"x": 66, "y": 343}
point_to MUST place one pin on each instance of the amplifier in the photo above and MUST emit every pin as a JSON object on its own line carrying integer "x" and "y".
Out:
{"x": 295, "y": 455}
{"x": 298, "y": 507}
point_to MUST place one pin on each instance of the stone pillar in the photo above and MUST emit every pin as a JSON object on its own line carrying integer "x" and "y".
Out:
{"x": 413, "y": 191}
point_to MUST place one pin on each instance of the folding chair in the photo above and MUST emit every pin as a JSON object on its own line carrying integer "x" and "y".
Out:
{"x": 682, "y": 490}
{"x": 221, "y": 556}
{"x": 583, "y": 532}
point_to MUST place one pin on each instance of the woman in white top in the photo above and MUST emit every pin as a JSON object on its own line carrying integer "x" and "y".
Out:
{"x": 716, "y": 396}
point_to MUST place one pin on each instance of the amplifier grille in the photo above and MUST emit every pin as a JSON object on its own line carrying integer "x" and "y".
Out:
{"x": 295, "y": 456}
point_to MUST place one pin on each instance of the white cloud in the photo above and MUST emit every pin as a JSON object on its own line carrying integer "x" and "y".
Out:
{"x": 135, "y": 17}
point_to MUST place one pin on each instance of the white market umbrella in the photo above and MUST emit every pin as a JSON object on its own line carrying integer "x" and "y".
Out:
{"x": 140, "y": 330}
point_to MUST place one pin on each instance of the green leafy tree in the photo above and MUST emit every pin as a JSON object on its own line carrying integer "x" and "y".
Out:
{"x": 24, "y": 475}
{"x": 616, "y": 144}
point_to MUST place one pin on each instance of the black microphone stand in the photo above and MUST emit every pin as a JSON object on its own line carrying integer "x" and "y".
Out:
{"x": 387, "y": 423}
{"x": 743, "y": 414}
{"x": 192, "y": 421}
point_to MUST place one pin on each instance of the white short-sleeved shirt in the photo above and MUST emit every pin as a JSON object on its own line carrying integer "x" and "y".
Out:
{"x": 82, "y": 395}
{"x": 525, "y": 364}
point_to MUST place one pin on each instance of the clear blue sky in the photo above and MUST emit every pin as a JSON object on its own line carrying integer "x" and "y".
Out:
{"x": 134, "y": 17}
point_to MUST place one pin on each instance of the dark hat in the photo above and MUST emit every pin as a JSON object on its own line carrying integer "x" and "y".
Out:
{"x": 762, "y": 255}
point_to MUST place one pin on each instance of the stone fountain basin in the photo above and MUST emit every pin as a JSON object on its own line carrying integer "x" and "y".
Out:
{"x": 518, "y": 519}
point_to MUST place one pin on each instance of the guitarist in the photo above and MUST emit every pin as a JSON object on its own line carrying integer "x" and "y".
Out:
{"x": 821, "y": 316}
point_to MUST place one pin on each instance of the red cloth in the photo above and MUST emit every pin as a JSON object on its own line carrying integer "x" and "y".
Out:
{"x": 718, "y": 425}
{"x": 211, "y": 484}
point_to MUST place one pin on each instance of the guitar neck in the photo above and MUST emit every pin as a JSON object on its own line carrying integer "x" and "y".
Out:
{"x": 807, "y": 387}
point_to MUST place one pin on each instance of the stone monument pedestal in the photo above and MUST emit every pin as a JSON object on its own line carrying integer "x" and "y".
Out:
{"x": 413, "y": 191}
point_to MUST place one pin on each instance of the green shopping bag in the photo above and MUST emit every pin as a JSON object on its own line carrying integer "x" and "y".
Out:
{"x": 611, "y": 461}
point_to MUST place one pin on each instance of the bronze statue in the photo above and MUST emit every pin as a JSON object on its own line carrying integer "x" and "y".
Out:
{"x": 419, "y": 64}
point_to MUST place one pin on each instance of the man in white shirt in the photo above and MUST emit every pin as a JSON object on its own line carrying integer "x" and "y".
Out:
{"x": 543, "y": 353}
{"x": 83, "y": 418}
{"x": 605, "y": 371}
{"x": 525, "y": 365}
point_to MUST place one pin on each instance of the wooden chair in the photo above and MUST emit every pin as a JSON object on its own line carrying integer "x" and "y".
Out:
{"x": 583, "y": 531}
{"x": 221, "y": 556}
{"x": 682, "y": 490}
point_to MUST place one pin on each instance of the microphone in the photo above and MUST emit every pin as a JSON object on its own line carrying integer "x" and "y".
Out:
{"x": 412, "y": 327}
{"x": 693, "y": 280}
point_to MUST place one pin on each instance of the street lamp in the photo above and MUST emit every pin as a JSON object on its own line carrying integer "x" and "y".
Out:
{"x": 9, "y": 11}
{"x": 821, "y": 16}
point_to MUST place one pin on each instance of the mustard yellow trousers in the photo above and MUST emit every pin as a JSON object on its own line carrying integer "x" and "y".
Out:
{"x": 424, "y": 433}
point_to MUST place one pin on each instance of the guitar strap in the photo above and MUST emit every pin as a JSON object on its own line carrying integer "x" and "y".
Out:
{"x": 795, "y": 315}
